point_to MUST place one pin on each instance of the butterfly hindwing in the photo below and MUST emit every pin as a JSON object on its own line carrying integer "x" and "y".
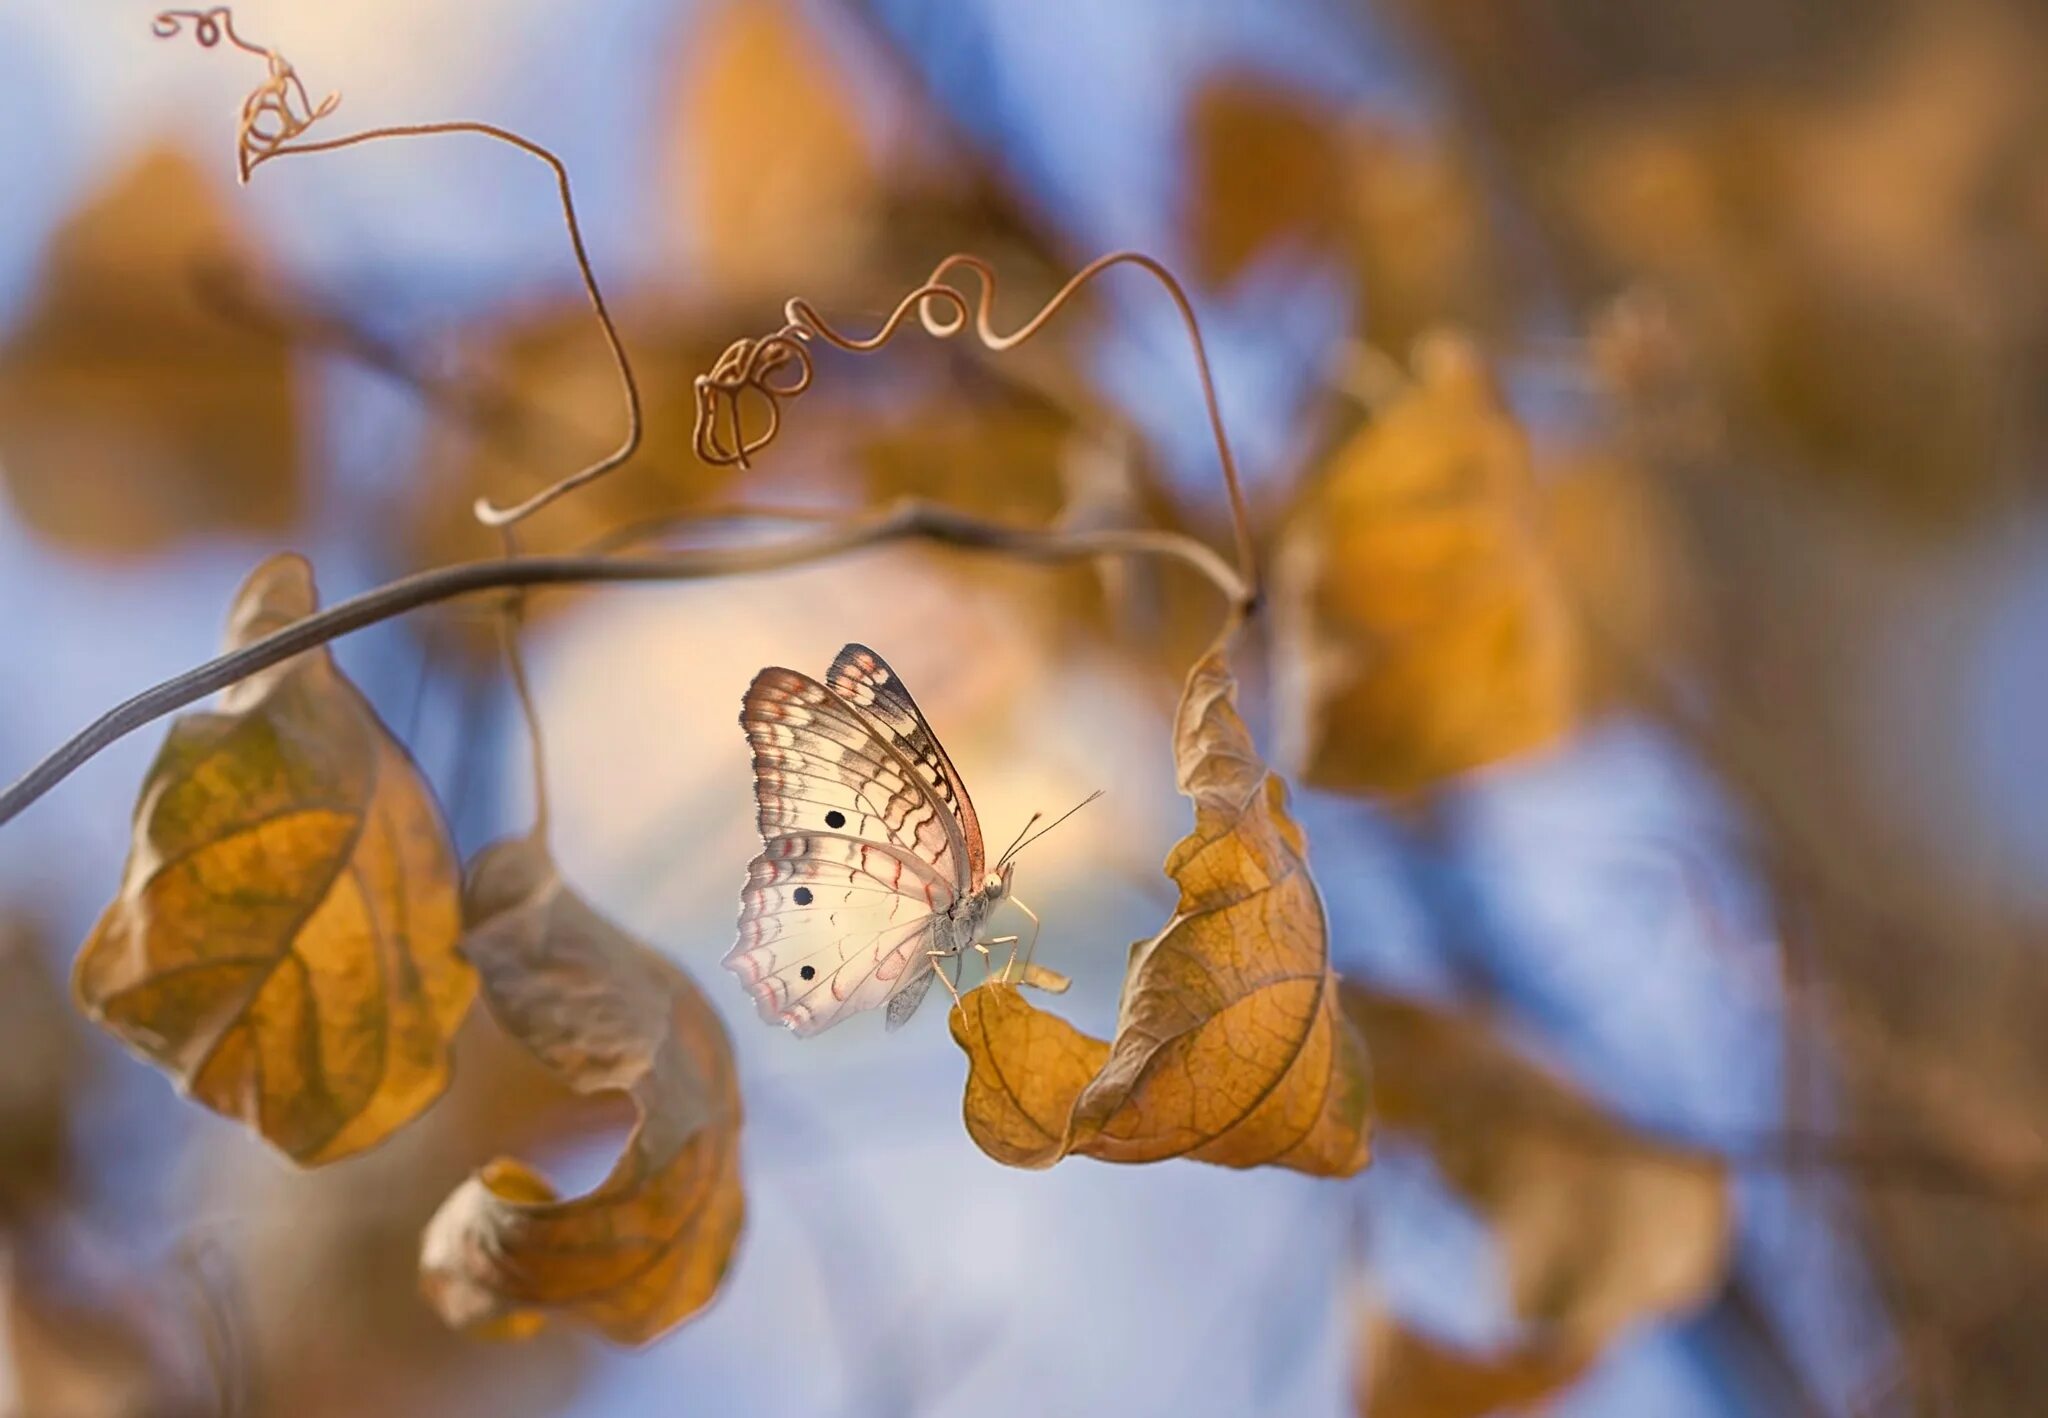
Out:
{"x": 857, "y": 916}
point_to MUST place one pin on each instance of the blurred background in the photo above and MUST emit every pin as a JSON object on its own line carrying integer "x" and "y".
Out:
{"x": 1642, "y": 411}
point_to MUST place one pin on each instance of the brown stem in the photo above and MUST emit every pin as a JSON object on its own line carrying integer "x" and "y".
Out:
{"x": 487, "y": 513}
{"x": 904, "y": 522}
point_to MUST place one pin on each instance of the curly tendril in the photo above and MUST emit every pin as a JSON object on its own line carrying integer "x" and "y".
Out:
{"x": 276, "y": 110}
{"x": 779, "y": 366}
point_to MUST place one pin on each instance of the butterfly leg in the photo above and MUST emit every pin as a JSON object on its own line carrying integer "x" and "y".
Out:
{"x": 1031, "y": 948}
{"x": 988, "y": 960}
{"x": 938, "y": 959}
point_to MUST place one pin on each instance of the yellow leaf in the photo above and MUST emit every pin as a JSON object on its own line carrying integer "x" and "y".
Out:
{"x": 1422, "y": 238}
{"x": 283, "y": 944}
{"x": 648, "y": 1248}
{"x": 1599, "y": 1227}
{"x": 1230, "y": 1046}
{"x": 1027, "y": 1066}
{"x": 1403, "y": 1374}
{"x": 1421, "y": 632}
{"x": 1267, "y": 172}
{"x": 131, "y": 413}
{"x": 776, "y": 178}
{"x": 1623, "y": 565}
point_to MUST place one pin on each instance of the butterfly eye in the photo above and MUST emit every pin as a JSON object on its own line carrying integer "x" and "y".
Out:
{"x": 835, "y": 818}
{"x": 803, "y": 896}
{"x": 808, "y": 971}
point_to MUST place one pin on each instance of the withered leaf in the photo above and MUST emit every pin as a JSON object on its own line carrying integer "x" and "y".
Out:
{"x": 604, "y": 1013}
{"x": 1404, "y": 1374}
{"x": 284, "y": 940}
{"x": 771, "y": 153}
{"x": 40, "y": 1066}
{"x": 1268, "y": 170}
{"x": 1422, "y": 632}
{"x": 1230, "y": 1044}
{"x": 1599, "y": 1226}
{"x": 131, "y": 413}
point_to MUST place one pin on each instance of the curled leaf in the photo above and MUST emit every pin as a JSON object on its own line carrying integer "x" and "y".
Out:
{"x": 1421, "y": 627}
{"x": 604, "y": 1013}
{"x": 1230, "y": 1045}
{"x": 283, "y": 944}
{"x": 1599, "y": 1226}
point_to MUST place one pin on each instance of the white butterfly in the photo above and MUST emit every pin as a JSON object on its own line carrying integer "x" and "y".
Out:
{"x": 872, "y": 870}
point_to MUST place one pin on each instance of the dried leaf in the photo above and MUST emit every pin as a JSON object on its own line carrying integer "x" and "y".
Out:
{"x": 1421, "y": 630}
{"x": 604, "y": 1013}
{"x": 771, "y": 152}
{"x": 131, "y": 413}
{"x": 1421, "y": 238}
{"x": 1600, "y": 1227}
{"x": 1622, "y": 564}
{"x": 1268, "y": 172}
{"x": 283, "y": 944}
{"x": 1832, "y": 251}
{"x": 1230, "y": 1046}
{"x": 1403, "y": 1374}
{"x": 40, "y": 1067}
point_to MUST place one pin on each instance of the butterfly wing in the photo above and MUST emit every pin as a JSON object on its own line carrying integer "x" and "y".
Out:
{"x": 863, "y": 853}
{"x": 863, "y": 679}
{"x": 822, "y": 763}
{"x": 831, "y": 925}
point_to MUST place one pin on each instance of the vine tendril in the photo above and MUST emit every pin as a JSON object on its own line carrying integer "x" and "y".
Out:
{"x": 779, "y": 366}
{"x": 276, "y": 111}
{"x": 257, "y": 144}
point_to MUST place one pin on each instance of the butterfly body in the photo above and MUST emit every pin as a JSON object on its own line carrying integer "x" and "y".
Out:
{"x": 872, "y": 868}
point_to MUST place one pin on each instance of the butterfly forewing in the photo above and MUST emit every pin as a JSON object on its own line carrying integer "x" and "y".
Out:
{"x": 868, "y": 841}
{"x": 821, "y": 764}
{"x": 863, "y": 678}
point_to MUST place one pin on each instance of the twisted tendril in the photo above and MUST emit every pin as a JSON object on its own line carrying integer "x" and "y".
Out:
{"x": 779, "y": 366}
{"x": 257, "y": 141}
{"x": 276, "y": 111}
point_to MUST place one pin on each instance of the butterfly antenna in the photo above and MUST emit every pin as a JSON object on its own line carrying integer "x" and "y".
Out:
{"x": 1011, "y": 850}
{"x": 1024, "y": 841}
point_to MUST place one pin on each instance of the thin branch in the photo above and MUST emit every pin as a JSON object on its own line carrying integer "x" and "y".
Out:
{"x": 905, "y": 522}
{"x": 511, "y": 617}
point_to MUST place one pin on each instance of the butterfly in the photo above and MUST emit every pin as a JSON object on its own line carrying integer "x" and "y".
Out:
{"x": 872, "y": 870}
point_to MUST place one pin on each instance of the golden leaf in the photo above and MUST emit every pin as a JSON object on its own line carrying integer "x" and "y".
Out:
{"x": 777, "y": 182}
{"x": 647, "y": 1248}
{"x": 1421, "y": 238}
{"x": 1403, "y": 1374}
{"x": 1421, "y": 632}
{"x": 1599, "y": 1226}
{"x": 1267, "y": 171}
{"x": 283, "y": 944}
{"x": 1277, "y": 171}
{"x": 131, "y": 414}
{"x": 1230, "y": 1046}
